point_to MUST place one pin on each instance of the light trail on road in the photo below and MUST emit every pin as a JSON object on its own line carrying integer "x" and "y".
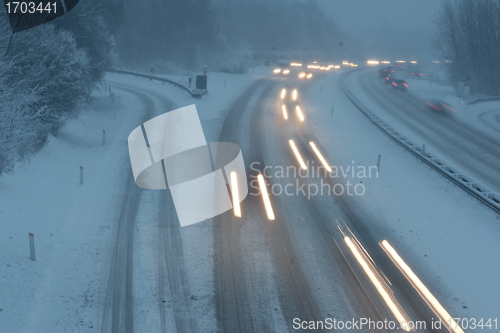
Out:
{"x": 285, "y": 112}
{"x": 300, "y": 114}
{"x": 395, "y": 308}
{"x": 265, "y": 197}
{"x": 429, "y": 298}
{"x": 320, "y": 156}
{"x": 297, "y": 155}
{"x": 235, "y": 194}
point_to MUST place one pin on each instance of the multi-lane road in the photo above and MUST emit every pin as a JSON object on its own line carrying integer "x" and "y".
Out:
{"x": 473, "y": 151}
{"x": 306, "y": 260}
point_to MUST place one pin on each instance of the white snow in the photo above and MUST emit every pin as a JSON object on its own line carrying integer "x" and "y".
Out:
{"x": 65, "y": 288}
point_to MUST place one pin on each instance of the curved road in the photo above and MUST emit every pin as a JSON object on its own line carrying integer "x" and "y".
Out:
{"x": 267, "y": 273}
{"x": 470, "y": 150}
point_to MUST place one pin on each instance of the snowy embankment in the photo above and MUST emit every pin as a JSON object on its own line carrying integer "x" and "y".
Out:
{"x": 64, "y": 289}
{"x": 449, "y": 238}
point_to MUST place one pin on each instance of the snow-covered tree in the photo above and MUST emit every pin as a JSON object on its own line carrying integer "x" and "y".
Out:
{"x": 43, "y": 78}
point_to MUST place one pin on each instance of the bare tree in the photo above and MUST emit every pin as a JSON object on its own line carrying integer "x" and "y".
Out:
{"x": 468, "y": 35}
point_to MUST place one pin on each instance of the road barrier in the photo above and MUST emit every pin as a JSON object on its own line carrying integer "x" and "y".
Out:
{"x": 196, "y": 93}
{"x": 477, "y": 190}
{"x": 482, "y": 100}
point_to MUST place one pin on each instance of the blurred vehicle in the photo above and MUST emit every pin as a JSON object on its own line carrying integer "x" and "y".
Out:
{"x": 399, "y": 84}
{"x": 305, "y": 75}
{"x": 438, "y": 104}
{"x": 282, "y": 67}
{"x": 386, "y": 71}
{"x": 416, "y": 74}
{"x": 383, "y": 72}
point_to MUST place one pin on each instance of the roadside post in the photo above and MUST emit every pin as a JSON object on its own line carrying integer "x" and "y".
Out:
{"x": 378, "y": 162}
{"x": 81, "y": 175}
{"x": 103, "y": 137}
{"x": 32, "y": 246}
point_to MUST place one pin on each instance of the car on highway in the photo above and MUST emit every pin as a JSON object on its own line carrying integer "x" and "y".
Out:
{"x": 399, "y": 84}
{"x": 439, "y": 105}
{"x": 416, "y": 74}
{"x": 385, "y": 72}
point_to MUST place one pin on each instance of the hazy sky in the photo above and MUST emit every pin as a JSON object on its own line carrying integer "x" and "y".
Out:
{"x": 355, "y": 14}
{"x": 367, "y": 19}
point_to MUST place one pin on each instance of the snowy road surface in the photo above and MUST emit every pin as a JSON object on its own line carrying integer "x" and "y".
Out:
{"x": 321, "y": 257}
{"x": 268, "y": 273}
{"x": 471, "y": 150}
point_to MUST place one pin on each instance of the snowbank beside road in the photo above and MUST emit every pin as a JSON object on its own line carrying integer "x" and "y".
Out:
{"x": 72, "y": 223}
{"x": 64, "y": 290}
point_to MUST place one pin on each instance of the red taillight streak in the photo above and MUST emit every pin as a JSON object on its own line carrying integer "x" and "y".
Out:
{"x": 395, "y": 84}
{"x": 446, "y": 106}
{"x": 434, "y": 106}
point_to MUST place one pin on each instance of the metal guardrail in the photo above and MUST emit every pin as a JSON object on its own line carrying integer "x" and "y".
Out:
{"x": 472, "y": 187}
{"x": 482, "y": 100}
{"x": 196, "y": 93}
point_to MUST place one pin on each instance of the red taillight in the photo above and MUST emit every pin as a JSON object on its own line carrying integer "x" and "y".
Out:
{"x": 412, "y": 73}
{"x": 435, "y": 107}
{"x": 395, "y": 84}
{"x": 387, "y": 78}
{"x": 421, "y": 74}
{"x": 446, "y": 106}
{"x": 404, "y": 84}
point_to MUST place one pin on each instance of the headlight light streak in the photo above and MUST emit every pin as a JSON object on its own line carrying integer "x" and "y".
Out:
{"x": 235, "y": 194}
{"x": 395, "y": 308}
{"x": 428, "y": 297}
{"x": 320, "y": 156}
{"x": 300, "y": 114}
{"x": 297, "y": 155}
{"x": 265, "y": 197}
{"x": 285, "y": 113}
{"x": 283, "y": 94}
